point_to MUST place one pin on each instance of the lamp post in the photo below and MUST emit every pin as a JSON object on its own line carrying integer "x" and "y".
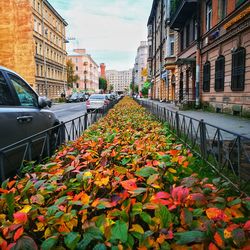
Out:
{"x": 85, "y": 76}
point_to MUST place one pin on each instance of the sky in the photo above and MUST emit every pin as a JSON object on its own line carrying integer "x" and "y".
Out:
{"x": 110, "y": 30}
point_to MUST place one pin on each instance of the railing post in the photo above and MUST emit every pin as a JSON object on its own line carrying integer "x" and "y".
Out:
{"x": 203, "y": 141}
{"x": 85, "y": 121}
{"x": 2, "y": 174}
{"x": 177, "y": 120}
{"x": 238, "y": 156}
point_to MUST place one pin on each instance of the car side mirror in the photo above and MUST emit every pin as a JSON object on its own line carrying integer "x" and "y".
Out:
{"x": 43, "y": 102}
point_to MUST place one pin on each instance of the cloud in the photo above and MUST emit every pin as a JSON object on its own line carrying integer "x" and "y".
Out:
{"x": 110, "y": 30}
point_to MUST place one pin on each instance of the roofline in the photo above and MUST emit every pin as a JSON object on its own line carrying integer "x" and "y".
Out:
{"x": 153, "y": 9}
{"x": 56, "y": 13}
{"x": 89, "y": 56}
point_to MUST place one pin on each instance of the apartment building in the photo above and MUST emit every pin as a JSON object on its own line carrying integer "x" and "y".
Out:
{"x": 120, "y": 80}
{"x": 162, "y": 46}
{"x": 87, "y": 69}
{"x": 32, "y": 43}
{"x": 225, "y": 56}
{"x": 140, "y": 65}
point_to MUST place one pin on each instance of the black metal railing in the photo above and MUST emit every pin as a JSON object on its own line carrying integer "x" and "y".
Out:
{"x": 226, "y": 152}
{"x": 35, "y": 149}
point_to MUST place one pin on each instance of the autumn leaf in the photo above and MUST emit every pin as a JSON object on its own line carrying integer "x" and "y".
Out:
{"x": 247, "y": 226}
{"x": 20, "y": 218}
{"x": 136, "y": 228}
{"x": 129, "y": 184}
{"x": 218, "y": 239}
{"x": 18, "y": 233}
{"x": 216, "y": 214}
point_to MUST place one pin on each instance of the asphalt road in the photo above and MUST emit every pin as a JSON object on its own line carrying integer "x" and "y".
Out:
{"x": 68, "y": 111}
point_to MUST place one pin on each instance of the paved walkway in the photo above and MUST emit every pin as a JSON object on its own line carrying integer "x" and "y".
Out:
{"x": 231, "y": 123}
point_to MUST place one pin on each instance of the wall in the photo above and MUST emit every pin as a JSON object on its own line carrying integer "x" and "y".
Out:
{"x": 16, "y": 39}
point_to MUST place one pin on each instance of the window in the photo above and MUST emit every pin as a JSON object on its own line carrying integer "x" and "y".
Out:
{"x": 209, "y": 15}
{"x": 5, "y": 95}
{"x": 206, "y": 77}
{"x": 222, "y": 9}
{"x": 26, "y": 96}
{"x": 238, "y": 69}
{"x": 187, "y": 35}
{"x": 219, "y": 73}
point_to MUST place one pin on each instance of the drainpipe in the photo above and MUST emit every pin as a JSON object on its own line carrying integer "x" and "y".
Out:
{"x": 198, "y": 56}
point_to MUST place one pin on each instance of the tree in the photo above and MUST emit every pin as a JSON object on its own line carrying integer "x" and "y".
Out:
{"x": 71, "y": 76}
{"x": 145, "y": 88}
{"x": 102, "y": 84}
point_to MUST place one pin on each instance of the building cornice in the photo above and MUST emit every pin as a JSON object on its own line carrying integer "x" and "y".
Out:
{"x": 46, "y": 2}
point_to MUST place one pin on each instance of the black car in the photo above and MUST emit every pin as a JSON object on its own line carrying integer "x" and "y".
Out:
{"x": 77, "y": 97}
{"x": 22, "y": 114}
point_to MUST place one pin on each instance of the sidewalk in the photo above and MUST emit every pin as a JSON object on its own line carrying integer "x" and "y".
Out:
{"x": 231, "y": 123}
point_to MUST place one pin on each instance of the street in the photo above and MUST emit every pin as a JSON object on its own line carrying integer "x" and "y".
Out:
{"x": 68, "y": 111}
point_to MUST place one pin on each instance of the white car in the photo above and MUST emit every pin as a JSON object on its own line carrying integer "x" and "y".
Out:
{"x": 96, "y": 102}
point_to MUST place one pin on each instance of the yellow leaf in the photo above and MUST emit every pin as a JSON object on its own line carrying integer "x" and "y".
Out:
{"x": 25, "y": 209}
{"x": 87, "y": 174}
{"x": 40, "y": 226}
{"x": 2, "y": 217}
{"x": 103, "y": 181}
{"x": 137, "y": 228}
{"x": 171, "y": 170}
{"x": 227, "y": 234}
{"x": 47, "y": 233}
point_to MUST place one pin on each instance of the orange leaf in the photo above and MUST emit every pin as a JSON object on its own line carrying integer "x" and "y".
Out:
{"x": 218, "y": 240}
{"x": 129, "y": 184}
{"x": 20, "y": 218}
{"x": 216, "y": 214}
{"x": 18, "y": 233}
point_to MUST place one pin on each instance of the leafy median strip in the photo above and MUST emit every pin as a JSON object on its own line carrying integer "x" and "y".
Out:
{"x": 124, "y": 184}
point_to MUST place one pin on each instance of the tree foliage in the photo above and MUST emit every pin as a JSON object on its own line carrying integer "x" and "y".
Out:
{"x": 71, "y": 76}
{"x": 102, "y": 84}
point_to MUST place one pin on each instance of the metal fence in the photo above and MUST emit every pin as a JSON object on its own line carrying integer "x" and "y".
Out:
{"x": 35, "y": 149}
{"x": 226, "y": 152}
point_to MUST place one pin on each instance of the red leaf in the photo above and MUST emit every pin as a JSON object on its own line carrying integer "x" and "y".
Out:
{"x": 180, "y": 194}
{"x": 18, "y": 233}
{"x": 247, "y": 226}
{"x": 129, "y": 184}
{"x": 156, "y": 163}
{"x": 212, "y": 246}
{"x": 3, "y": 245}
{"x": 3, "y": 191}
{"x": 10, "y": 246}
{"x": 161, "y": 198}
{"x": 162, "y": 195}
{"x": 20, "y": 218}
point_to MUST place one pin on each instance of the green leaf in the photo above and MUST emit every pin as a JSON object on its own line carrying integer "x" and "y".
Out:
{"x": 27, "y": 187}
{"x": 71, "y": 240}
{"x": 189, "y": 237}
{"x": 146, "y": 217}
{"x": 146, "y": 172}
{"x": 38, "y": 184}
{"x": 100, "y": 246}
{"x": 119, "y": 231}
{"x": 165, "y": 246}
{"x": 125, "y": 161}
{"x": 95, "y": 232}
{"x": 52, "y": 210}
{"x": 131, "y": 241}
{"x": 137, "y": 208}
{"x": 49, "y": 243}
{"x": 198, "y": 212}
{"x": 83, "y": 244}
{"x": 164, "y": 215}
{"x": 234, "y": 202}
{"x": 10, "y": 201}
{"x": 61, "y": 200}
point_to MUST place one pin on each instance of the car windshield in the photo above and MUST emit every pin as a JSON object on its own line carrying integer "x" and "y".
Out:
{"x": 74, "y": 95}
{"x": 100, "y": 97}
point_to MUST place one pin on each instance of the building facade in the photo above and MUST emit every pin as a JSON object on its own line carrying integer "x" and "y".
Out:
{"x": 32, "y": 43}
{"x": 225, "y": 56}
{"x": 210, "y": 65}
{"x": 162, "y": 46}
{"x": 87, "y": 70}
{"x": 120, "y": 80}
{"x": 140, "y": 66}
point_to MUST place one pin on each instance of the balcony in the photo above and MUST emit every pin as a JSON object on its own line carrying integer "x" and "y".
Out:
{"x": 181, "y": 10}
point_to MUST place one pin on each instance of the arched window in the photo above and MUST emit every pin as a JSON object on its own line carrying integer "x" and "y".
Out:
{"x": 219, "y": 73}
{"x": 238, "y": 69}
{"x": 206, "y": 76}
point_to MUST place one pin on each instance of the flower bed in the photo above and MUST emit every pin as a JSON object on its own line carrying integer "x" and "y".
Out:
{"x": 123, "y": 185}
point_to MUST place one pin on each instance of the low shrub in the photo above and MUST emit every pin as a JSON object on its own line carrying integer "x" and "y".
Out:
{"x": 123, "y": 185}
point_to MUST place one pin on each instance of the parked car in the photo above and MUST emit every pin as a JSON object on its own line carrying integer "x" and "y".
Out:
{"x": 22, "y": 114}
{"x": 96, "y": 102}
{"x": 82, "y": 97}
